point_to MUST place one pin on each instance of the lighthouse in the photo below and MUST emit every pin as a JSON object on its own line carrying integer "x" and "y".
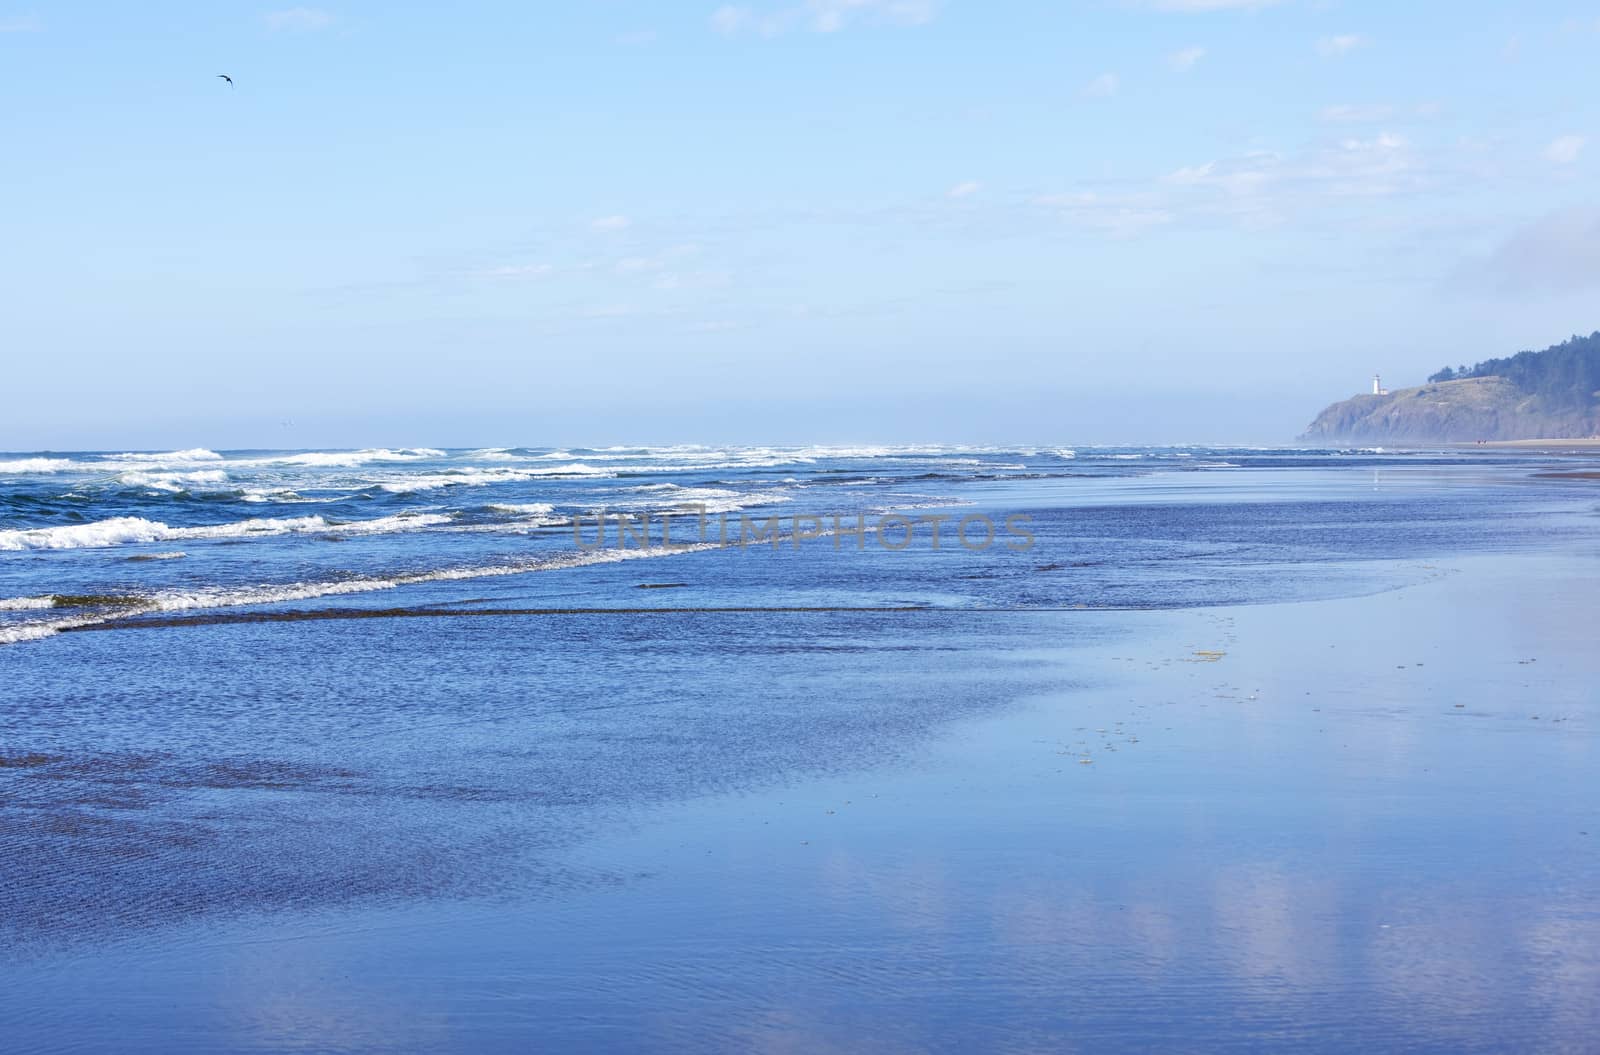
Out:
{"x": 1377, "y": 386}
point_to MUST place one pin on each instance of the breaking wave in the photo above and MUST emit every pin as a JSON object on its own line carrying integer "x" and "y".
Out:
{"x": 703, "y": 499}
{"x": 20, "y": 466}
{"x": 124, "y": 530}
{"x": 234, "y": 597}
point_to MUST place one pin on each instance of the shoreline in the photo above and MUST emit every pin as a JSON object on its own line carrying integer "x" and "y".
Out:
{"x": 1583, "y": 445}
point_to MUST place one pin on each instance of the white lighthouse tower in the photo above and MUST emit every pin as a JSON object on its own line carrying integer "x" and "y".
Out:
{"x": 1377, "y": 386}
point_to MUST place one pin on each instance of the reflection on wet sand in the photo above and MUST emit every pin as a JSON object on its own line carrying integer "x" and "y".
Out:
{"x": 890, "y": 848}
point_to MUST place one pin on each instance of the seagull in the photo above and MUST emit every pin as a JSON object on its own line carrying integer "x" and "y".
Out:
{"x": 227, "y": 78}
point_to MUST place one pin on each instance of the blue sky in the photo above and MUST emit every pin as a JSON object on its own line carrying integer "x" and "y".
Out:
{"x": 778, "y": 221}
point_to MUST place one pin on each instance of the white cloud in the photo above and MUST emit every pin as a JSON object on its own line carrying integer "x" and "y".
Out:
{"x": 1565, "y": 151}
{"x": 1273, "y": 185}
{"x": 1117, "y": 215}
{"x": 518, "y": 271}
{"x": 1376, "y": 113}
{"x": 1254, "y": 190}
{"x": 1103, "y": 86}
{"x": 1344, "y": 44}
{"x": 298, "y": 19}
{"x": 729, "y": 19}
{"x": 673, "y": 259}
{"x": 611, "y": 223}
{"x": 608, "y": 311}
{"x": 1183, "y": 61}
{"x": 821, "y": 16}
{"x": 833, "y": 13}
{"x": 21, "y": 24}
{"x": 691, "y": 280}
{"x": 1558, "y": 253}
{"x": 1356, "y": 113}
{"x": 964, "y": 189}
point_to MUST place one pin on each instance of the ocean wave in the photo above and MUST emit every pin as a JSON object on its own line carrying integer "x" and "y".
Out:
{"x": 351, "y": 459}
{"x": 19, "y": 604}
{"x": 111, "y": 532}
{"x": 16, "y": 633}
{"x": 485, "y": 477}
{"x": 174, "y": 483}
{"x": 110, "y": 463}
{"x": 174, "y": 461}
{"x": 285, "y": 495}
{"x": 194, "y": 454}
{"x": 570, "y": 461}
{"x": 125, "y": 530}
{"x": 508, "y": 454}
{"x": 23, "y": 466}
{"x": 532, "y": 509}
{"x": 235, "y": 597}
{"x": 703, "y": 499}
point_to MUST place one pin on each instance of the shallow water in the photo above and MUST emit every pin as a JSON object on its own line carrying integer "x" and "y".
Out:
{"x": 1294, "y": 756}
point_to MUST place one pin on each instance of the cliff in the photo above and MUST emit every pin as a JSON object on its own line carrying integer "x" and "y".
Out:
{"x": 1548, "y": 395}
{"x": 1478, "y": 408}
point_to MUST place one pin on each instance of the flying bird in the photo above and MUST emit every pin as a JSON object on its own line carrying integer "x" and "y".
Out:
{"x": 227, "y": 78}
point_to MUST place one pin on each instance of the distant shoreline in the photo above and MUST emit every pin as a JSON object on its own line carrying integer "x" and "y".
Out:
{"x": 1590, "y": 444}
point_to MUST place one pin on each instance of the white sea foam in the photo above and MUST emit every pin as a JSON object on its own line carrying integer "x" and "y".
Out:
{"x": 312, "y": 525}
{"x": 194, "y": 454}
{"x": 172, "y": 482}
{"x": 235, "y": 597}
{"x": 531, "y": 509}
{"x": 278, "y": 494}
{"x": 20, "y": 466}
{"x": 16, "y": 633}
{"x": 351, "y": 459}
{"x": 484, "y": 477}
{"x": 908, "y": 503}
{"x": 134, "y": 461}
{"x": 111, "y": 532}
{"x": 18, "y": 604}
{"x": 111, "y": 463}
{"x": 703, "y": 499}
{"x": 124, "y": 530}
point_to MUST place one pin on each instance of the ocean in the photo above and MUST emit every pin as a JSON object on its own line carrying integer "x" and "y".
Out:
{"x": 773, "y": 748}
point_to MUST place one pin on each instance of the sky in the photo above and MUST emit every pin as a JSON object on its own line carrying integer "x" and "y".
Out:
{"x": 781, "y": 221}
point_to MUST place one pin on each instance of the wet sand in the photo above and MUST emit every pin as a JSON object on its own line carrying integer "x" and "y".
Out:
{"x": 1361, "y": 823}
{"x": 1553, "y": 446}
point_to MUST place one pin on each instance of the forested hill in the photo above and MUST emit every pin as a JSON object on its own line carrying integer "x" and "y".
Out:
{"x": 1566, "y": 375}
{"x": 1553, "y": 394}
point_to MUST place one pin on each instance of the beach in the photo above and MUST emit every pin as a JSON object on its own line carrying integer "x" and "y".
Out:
{"x": 1552, "y": 446}
{"x": 1290, "y": 757}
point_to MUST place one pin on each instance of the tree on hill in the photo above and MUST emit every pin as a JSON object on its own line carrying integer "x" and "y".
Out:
{"x": 1564, "y": 376}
